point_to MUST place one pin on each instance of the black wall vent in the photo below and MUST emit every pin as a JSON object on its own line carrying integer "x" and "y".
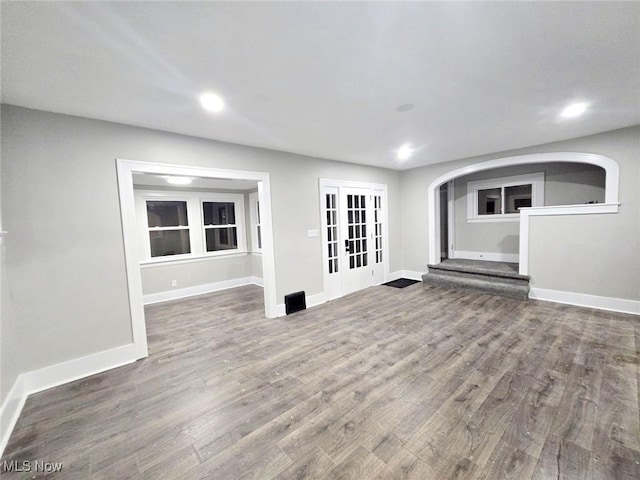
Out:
{"x": 294, "y": 302}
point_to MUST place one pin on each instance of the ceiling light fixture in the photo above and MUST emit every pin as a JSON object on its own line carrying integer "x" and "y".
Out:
{"x": 179, "y": 180}
{"x": 405, "y": 107}
{"x": 404, "y": 152}
{"x": 574, "y": 110}
{"x": 211, "y": 102}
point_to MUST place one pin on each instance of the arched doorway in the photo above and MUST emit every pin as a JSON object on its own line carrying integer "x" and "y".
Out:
{"x": 610, "y": 203}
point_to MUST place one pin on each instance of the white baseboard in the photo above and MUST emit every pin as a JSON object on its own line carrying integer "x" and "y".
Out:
{"x": 391, "y": 276}
{"x": 410, "y": 274}
{"x": 200, "y": 289}
{"x": 487, "y": 256}
{"x": 48, "y": 377}
{"x": 10, "y": 411}
{"x": 584, "y": 300}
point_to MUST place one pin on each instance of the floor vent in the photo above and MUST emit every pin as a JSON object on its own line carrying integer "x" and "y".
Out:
{"x": 294, "y": 302}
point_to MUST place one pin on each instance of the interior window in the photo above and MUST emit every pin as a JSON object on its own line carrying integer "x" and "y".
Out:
{"x": 221, "y": 232}
{"x": 500, "y": 199}
{"x": 168, "y": 225}
{"x": 490, "y": 201}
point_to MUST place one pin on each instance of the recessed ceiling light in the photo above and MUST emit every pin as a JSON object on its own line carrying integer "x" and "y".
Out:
{"x": 404, "y": 152}
{"x": 405, "y": 107}
{"x": 574, "y": 110}
{"x": 211, "y": 102}
{"x": 179, "y": 180}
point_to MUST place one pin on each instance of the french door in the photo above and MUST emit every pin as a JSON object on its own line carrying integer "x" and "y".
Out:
{"x": 354, "y": 237}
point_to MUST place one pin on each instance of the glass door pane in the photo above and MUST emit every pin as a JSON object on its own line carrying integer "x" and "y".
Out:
{"x": 357, "y": 231}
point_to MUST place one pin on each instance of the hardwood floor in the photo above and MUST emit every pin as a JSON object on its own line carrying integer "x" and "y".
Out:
{"x": 421, "y": 382}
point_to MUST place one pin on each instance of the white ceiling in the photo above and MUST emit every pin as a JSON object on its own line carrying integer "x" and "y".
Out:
{"x": 325, "y": 79}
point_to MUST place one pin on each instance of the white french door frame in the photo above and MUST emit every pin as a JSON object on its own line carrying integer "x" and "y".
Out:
{"x": 125, "y": 170}
{"x": 326, "y": 185}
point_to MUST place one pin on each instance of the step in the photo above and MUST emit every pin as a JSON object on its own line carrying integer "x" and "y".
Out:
{"x": 483, "y": 283}
{"x": 481, "y": 276}
{"x": 477, "y": 268}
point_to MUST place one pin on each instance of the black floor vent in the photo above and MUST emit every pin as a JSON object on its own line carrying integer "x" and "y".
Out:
{"x": 294, "y": 302}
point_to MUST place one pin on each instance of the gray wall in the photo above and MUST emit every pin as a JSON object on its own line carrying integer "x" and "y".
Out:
{"x": 157, "y": 277}
{"x": 66, "y": 269}
{"x": 592, "y": 254}
{"x": 564, "y": 184}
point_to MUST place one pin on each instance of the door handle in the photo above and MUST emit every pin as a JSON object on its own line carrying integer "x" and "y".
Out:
{"x": 346, "y": 246}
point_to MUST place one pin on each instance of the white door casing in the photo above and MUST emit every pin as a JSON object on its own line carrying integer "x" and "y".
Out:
{"x": 354, "y": 236}
{"x": 125, "y": 170}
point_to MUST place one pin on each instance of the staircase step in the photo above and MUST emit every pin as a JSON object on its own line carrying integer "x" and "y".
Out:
{"x": 480, "y": 276}
{"x": 476, "y": 270}
{"x": 484, "y": 283}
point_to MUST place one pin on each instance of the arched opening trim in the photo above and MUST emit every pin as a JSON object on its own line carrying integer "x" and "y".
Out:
{"x": 612, "y": 180}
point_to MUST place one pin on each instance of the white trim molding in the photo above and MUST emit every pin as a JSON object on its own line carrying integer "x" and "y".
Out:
{"x": 583, "y": 300}
{"x": 488, "y": 256}
{"x": 125, "y": 170}
{"x": 333, "y": 284}
{"x": 178, "y": 293}
{"x": 410, "y": 274}
{"x": 10, "y": 411}
{"x": 54, "y": 375}
{"x": 536, "y": 180}
{"x": 195, "y": 228}
{"x": 526, "y": 213}
{"x": 612, "y": 181}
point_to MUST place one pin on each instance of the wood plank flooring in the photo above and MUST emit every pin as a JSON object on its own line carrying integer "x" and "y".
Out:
{"x": 414, "y": 383}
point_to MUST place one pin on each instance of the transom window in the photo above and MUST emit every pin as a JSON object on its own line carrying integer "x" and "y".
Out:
{"x": 500, "y": 199}
{"x": 189, "y": 224}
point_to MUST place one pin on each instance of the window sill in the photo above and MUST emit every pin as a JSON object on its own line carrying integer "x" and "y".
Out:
{"x": 514, "y": 218}
{"x": 180, "y": 261}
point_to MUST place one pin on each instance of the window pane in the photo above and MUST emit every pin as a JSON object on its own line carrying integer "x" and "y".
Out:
{"x": 490, "y": 201}
{"x": 162, "y": 213}
{"x": 169, "y": 242}
{"x": 516, "y": 198}
{"x": 221, "y": 239}
{"x": 259, "y": 237}
{"x": 219, "y": 213}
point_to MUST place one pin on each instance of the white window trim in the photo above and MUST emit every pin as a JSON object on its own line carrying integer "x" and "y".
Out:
{"x": 536, "y": 180}
{"x": 253, "y": 212}
{"x": 196, "y": 223}
{"x": 240, "y": 225}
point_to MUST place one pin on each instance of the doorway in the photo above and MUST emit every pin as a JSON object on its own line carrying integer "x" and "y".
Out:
{"x": 444, "y": 222}
{"x": 125, "y": 171}
{"x": 354, "y": 236}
